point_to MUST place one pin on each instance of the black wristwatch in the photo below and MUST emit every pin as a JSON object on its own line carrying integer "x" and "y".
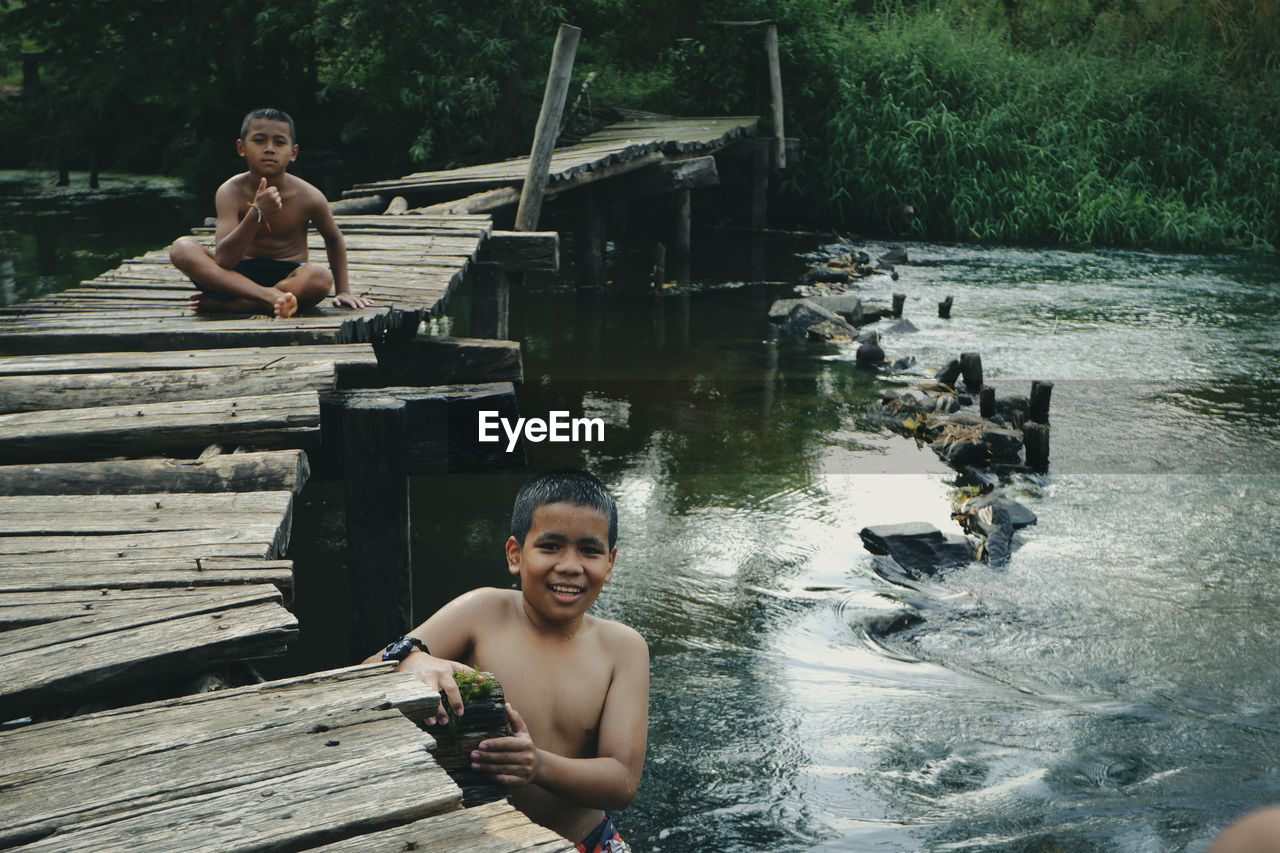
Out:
{"x": 400, "y": 647}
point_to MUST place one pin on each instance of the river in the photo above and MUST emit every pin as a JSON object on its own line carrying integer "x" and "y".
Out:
{"x": 1113, "y": 688}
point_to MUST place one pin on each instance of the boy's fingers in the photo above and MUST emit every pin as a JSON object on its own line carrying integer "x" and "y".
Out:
{"x": 451, "y": 692}
{"x": 518, "y": 725}
{"x": 262, "y": 186}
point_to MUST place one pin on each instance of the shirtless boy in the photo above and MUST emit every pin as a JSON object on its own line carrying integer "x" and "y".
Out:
{"x": 259, "y": 263}
{"x": 580, "y": 683}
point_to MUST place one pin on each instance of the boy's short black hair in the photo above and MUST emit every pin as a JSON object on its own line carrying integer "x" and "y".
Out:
{"x": 271, "y": 115}
{"x": 566, "y": 484}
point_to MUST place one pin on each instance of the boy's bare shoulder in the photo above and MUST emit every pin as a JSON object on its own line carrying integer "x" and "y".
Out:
{"x": 619, "y": 638}
{"x": 484, "y": 600}
{"x": 235, "y": 187}
{"x": 305, "y": 191}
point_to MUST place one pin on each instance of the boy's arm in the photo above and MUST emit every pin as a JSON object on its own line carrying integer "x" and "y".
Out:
{"x": 336, "y": 248}
{"x": 448, "y": 634}
{"x": 608, "y": 781}
{"x": 234, "y": 233}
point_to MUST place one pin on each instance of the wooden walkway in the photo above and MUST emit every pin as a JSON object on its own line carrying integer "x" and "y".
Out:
{"x": 407, "y": 264}
{"x": 643, "y": 139}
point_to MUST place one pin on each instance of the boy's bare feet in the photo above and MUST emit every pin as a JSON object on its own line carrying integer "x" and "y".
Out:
{"x": 286, "y": 304}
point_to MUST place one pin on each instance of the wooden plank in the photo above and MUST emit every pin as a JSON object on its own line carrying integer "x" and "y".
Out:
{"x": 38, "y": 607}
{"x": 186, "y": 545}
{"x": 102, "y": 515}
{"x": 82, "y": 390}
{"x": 523, "y": 251}
{"x": 281, "y": 470}
{"x": 346, "y": 796}
{"x": 20, "y": 573}
{"x": 273, "y": 420}
{"x": 492, "y": 827}
{"x": 44, "y": 675}
{"x": 67, "y": 746}
{"x": 442, "y": 360}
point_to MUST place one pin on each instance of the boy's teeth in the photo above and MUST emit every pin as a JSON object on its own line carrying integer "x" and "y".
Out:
{"x": 565, "y": 589}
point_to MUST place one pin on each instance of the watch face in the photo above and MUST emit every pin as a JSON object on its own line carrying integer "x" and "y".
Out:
{"x": 399, "y": 650}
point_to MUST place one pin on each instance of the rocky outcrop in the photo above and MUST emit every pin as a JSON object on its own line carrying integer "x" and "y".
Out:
{"x": 918, "y": 547}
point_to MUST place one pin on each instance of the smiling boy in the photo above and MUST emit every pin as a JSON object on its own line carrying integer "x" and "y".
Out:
{"x": 581, "y": 683}
{"x": 259, "y": 263}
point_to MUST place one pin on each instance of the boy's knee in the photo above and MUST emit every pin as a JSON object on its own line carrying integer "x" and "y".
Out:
{"x": 183, "y": 251}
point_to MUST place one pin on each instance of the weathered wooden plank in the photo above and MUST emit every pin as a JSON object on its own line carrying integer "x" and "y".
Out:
{"x": 82, "y": 390}
{"x": 281, "y": 470}
{"x": 424, "y": 360}
{"x": 21, "y": 609}
{"x": 75, "y": 670}
{"x": 79, "y": 571}
{"x": 279, "y": 420}
{"x": 96, "y": 795}
{"x": 492, "y": 827}
{"x": 68, "y": 746}
{"x": 525, "y": 251}
{"x": 395, "y": 784}
{"x": 189, "y": 545}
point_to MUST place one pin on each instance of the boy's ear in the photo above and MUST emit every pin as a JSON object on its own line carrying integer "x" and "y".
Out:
{"x": 294, "y": 155}
{"x": 513, "y": 555}
{"x": 240, "y": 146}
{"x": 613, "y": 556}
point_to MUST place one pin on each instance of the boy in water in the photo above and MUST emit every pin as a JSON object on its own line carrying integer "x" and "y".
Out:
{"x": 259, "y": 263}
{"x": 581, "y": 683}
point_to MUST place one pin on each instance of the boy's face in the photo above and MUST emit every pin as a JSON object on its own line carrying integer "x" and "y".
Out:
{"x": 267, "y": 146}
{"x": 564, "y": 561}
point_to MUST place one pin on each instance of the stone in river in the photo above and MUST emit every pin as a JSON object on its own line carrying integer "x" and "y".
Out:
{"x": 917, "y": 546}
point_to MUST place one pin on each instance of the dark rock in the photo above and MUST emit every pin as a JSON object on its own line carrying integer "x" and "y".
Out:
{"x": 1004, "y": 445}
{"x": 879, "y": 613}
{"x": 895, "y": 255}
{"x": 901, "y": 364}
{"x": 917, "y": 546}
{"x": 807, "y": 318}
{"x": 780, "y": 308}
{"x": 869, "y": 354}
{"x": 847, "y": 306}
{"x": 949, "y": 374}
{"x": 998, "y": 545}
{"x": 902, "y": 326}
{"x": 1014, "y": 410}
{"x": 962, "y": 450}
{"x": 965, "y": 418}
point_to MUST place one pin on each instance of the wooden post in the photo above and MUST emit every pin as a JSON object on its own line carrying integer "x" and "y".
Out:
{"x": 379, "y": 570}
{"x": 659, "y": 266}
{"x": 775, "y": 93}
{"x": 490, "y": 302}
{"x": 1035, "y": 439}
{"x": 971, "y": 367}
{"x": 1040, "y": 393}
{"x": 548, "y": 128}
{"x": 944, "y": 308}
{"x": 589, "y": 238}
{"x": 987, "y": 401}
{"x": 759, "y": 182}
{"x": 899, "y": 299}
{"x": 684, "y": 222}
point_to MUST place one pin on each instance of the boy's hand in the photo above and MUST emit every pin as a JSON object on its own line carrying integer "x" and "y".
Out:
{"x": 268, "y": 199}
{"x": 350, "y": 300}
{"x": 437, "y": 673}
{"x": 513, "y": 761}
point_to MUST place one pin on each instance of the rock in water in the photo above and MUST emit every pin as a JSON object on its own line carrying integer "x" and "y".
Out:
{"x": 878, "y": 613}
{"x": 917, "y": 546}
{"x": 999, "y": 543}
{"x": 807, "y": 318}
{"x": 870, "y": 354}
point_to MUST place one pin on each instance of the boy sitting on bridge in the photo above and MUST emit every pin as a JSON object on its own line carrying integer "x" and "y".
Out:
{"x": 581, "y": 682}
{"x": 259, "y": 263}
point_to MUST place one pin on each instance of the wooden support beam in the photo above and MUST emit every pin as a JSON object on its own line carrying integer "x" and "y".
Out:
{"x": 589, "y": 238}
{"x": 775, "y": 95}
{"x": 285, "y": 470}
{"x": 490, "y": 303}
{"x": 379, "y": 565}
{"x": 548, "y": 127}
{"x": 666, "y": 176}
{"x": 425, "y": 360}
{"x": 684, "y": 223}
{"x": 442, "y": 426}
{"x": 760, "y": 182}
{"x": 522, "y": 251}
{"x": 358, "y": 204}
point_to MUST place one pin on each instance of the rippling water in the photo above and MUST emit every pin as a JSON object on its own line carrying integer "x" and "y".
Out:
{"x": 1113, "y": 688}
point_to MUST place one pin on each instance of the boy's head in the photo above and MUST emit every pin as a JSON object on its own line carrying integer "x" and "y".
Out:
{"x": 567, "y": 485}
{"x": 270, "y": 115}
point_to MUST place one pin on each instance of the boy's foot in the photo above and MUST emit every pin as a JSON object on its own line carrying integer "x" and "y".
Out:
{"x": 203, "y": 303}
{"x": 286, "y": 304}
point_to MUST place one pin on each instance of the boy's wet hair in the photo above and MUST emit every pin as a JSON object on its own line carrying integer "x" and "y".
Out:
{"x": 271, "y": 115}
{"x": 569, "y": 485}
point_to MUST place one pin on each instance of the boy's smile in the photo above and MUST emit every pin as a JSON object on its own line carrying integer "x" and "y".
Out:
{"x": 565, "y": 560}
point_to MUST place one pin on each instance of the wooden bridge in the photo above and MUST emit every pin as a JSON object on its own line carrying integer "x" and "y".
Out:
{"x": 150, "y": 459}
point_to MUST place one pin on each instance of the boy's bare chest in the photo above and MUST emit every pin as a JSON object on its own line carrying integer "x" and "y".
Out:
{"x": 559, "y": 690}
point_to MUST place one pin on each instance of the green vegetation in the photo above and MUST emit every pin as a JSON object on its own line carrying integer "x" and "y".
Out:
{"x": 1103, "y": 122}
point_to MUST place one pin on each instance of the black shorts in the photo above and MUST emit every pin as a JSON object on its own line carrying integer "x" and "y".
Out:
{"x": 267, "y": 272}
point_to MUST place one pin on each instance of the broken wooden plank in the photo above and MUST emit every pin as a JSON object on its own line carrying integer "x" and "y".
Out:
{"x": 70, "y": 570}
{"x": 523, "y": 251}
{"x": 46, "y": 668}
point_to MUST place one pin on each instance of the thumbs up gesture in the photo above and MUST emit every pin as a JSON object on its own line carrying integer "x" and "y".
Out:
{"x": 268, "y": 199}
